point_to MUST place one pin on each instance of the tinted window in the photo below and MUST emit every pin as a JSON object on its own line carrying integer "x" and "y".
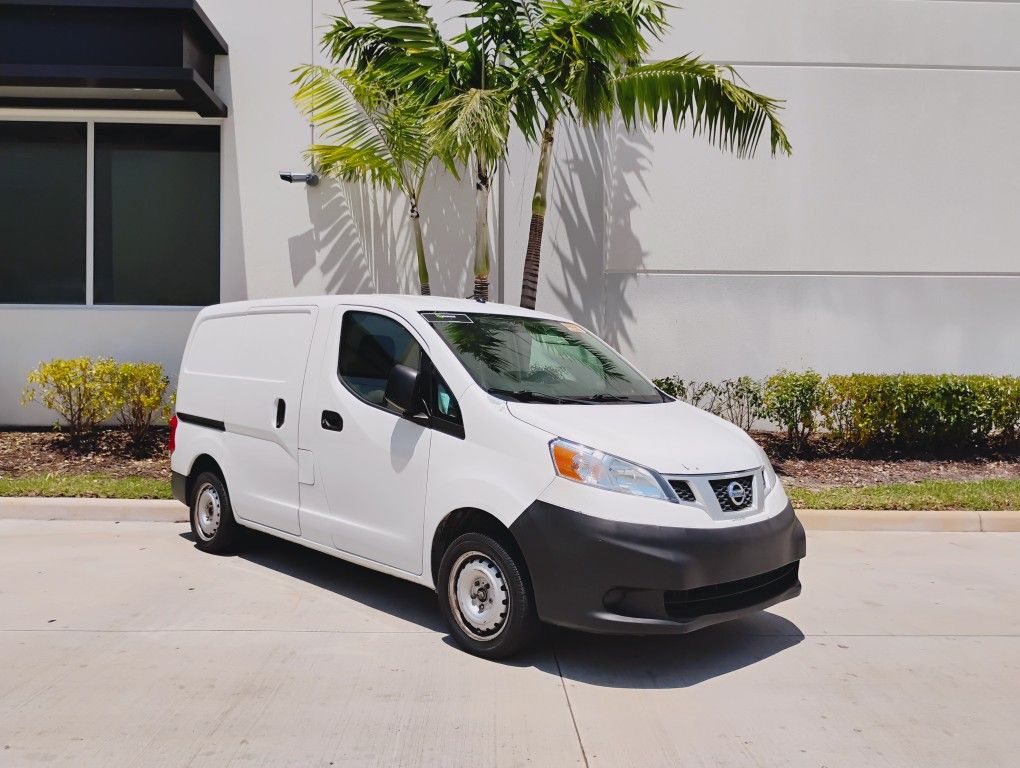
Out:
{"x": 42, "y": 213}
{"x": 157, "y": 214}
{"x": 370, "y": 345}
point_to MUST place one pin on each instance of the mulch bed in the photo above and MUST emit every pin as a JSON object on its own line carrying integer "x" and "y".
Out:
{"x": 48, "y": 452}
{"x": 825, "y": 465}
{"x": 41, "y": 452}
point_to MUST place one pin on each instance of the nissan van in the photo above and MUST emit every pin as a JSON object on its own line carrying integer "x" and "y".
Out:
{"x": 508, "y": 459}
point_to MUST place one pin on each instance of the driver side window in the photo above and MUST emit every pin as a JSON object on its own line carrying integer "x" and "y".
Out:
{"x": 370, "y": 345}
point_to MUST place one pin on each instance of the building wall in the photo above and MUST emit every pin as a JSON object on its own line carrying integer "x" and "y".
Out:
{"x": 887, "y": 242}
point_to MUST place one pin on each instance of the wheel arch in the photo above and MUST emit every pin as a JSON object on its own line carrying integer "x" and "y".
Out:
{"x": 202, "y": 463}
{"x": 469, "y": 520}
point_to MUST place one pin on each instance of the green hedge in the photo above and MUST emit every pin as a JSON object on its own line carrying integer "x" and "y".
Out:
{"x": 869, "y": 411}
{"x": 922, "y": 411}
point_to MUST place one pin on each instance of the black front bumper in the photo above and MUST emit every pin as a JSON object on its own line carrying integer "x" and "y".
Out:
{"x": 624, "y": 578}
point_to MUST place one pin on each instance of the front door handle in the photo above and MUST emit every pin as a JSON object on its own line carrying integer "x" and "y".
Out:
{"x": 332, "y": 421}
{"x": 281, "y": 412}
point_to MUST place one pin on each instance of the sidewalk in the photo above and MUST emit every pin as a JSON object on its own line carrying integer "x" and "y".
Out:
{"x": 149, "y": 510}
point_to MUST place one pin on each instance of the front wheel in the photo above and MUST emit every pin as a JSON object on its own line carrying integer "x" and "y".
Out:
{"x": 485, "y": 597}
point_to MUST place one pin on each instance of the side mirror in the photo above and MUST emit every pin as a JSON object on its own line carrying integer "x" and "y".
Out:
{"x": 402, "y": 390}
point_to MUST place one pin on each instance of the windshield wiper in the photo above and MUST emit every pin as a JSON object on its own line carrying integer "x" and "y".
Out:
{"x": 605, "y": 397}
{"x": 526, "y": 395}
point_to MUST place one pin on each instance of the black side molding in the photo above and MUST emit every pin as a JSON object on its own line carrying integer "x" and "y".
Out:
{"x": 201, "y": 421}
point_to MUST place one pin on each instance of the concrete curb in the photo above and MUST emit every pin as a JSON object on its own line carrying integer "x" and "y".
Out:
{"x": 936, "y": 521}
{"x": 152, "y": 510}
{"x": 143, "y": 510}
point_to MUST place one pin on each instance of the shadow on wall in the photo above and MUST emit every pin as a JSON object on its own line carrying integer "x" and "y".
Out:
{"x": 448, "y": 210}
{"x": 591, "y": 192}
{"x": 361, "y": 241}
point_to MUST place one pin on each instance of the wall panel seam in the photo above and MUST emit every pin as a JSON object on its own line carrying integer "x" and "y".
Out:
{"x": 806, "y": 273}
{"x": 872, "y": 65}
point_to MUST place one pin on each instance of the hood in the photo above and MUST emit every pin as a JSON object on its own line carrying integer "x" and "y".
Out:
{"x": 671, "y": 438}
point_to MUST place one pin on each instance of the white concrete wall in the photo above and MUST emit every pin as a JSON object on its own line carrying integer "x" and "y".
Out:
{"x": 888, "y": 242}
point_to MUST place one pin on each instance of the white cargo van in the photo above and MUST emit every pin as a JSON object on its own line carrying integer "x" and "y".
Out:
{"x": 507, "y": 458}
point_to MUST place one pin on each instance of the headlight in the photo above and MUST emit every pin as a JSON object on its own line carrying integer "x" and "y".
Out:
{"x": 770, "y": 476}
{"x": 590, "y": 467}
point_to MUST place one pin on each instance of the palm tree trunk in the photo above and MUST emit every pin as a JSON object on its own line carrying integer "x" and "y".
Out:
{"x": 481, "y": 266}
{"x": 533, "y": 255}
{"x": 419, "y": 248}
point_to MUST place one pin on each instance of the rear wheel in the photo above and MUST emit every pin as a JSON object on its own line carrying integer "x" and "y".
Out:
{"x": 485, "y": 596}
{"x": 212, "y": 519}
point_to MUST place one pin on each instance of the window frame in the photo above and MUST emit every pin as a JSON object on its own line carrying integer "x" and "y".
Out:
{"x": 428, "y": 369}
{"x": 90, "y": 117}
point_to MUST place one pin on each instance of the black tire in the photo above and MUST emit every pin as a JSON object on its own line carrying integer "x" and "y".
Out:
{"x": 217, "y": 531}
{"x": 497, "y": 573}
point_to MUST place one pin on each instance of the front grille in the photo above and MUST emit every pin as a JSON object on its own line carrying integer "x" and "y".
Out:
{"x": 731, "y": 498}
{"x": 731, "y": 595}
{"x": 682, "y": 489}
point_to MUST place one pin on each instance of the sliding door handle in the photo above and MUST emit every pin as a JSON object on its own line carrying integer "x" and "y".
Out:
{"x": 332, "y": 421}
{"x": 281, "y": 412}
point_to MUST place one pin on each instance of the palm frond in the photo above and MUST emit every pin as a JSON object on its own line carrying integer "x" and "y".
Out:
{"x": 707, "y": 97}
{"x": 474, "y": 122}
{"x": 582, "y": 44}
{"x": 404, "y": 44}
{"x": 340, "y": 105}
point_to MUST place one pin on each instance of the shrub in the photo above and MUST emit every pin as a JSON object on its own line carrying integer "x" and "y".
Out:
{"x": 169, "y": 407}
{"x": 739, "y": 400}
{"x": 869, "y": 411}
{"x": 793, "y": 401}
{"x": 700, "y": 394}
{"x": 912, "y": 411}
{"x": 1003, "y": 397}
{"x": 140, "y": 390}
{"x": 82, "y": 391}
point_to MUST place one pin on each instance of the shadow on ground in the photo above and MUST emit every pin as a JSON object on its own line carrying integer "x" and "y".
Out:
{"x": 605, "y": 661}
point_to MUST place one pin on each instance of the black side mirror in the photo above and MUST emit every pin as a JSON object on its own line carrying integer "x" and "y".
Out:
{"x": 402, "y": 390}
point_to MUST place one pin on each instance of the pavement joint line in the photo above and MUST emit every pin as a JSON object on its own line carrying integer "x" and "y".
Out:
{"x": 570, "y": 706}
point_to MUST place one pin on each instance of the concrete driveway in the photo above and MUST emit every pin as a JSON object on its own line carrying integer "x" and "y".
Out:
{"x": 122, "y": 645}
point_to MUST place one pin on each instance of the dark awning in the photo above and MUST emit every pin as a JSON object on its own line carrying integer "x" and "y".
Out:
{"x": 121, "y": 54}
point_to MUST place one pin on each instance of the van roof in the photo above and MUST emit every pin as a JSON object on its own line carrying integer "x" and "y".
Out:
{"x": 393, "y": 302}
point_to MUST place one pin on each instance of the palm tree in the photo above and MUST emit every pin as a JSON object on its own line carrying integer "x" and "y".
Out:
{"x": 587, "y": 57}
{"x": 375, "y": 136}
{"x": 461, "y": 84}
{"x": 471, "y": 129}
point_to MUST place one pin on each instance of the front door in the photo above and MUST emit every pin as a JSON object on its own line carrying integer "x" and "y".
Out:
{"x": 372, "y": 463}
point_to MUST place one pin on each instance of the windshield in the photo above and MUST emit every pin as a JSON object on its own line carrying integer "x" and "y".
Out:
{"x": 536, "y": 360}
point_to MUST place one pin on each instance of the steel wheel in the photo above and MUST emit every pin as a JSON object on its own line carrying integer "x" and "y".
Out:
{"x": 479, "y": 595}
{"x": 208, "y": 511}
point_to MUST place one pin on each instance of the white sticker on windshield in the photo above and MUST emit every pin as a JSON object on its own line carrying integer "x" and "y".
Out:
{"x": 573, "y": 327}
{"x": 446, "y": 317}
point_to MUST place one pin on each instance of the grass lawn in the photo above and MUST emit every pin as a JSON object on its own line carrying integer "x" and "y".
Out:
{"x": 90, "y": 485}
{"x": 927, "y": 494}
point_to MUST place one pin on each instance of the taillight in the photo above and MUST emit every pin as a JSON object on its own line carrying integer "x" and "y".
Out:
{"x": 171, "y": 443}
